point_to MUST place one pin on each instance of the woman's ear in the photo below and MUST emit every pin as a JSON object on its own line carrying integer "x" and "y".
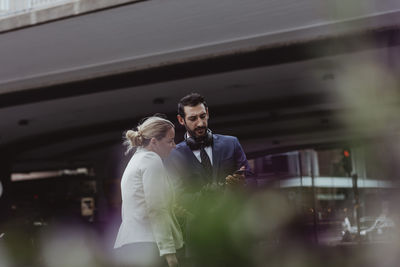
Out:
{"x": 153, "y": 141}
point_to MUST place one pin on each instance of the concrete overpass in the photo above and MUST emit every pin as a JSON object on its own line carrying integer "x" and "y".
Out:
{"x": 279, "y": 75}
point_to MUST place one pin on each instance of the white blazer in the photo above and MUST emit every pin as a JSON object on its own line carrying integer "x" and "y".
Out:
{"x": 147, "y": 204}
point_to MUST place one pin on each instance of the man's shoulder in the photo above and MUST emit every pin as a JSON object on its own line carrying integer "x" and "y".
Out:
{"x": 228, "y": 138}
{"x": 179, "y": 149}
{"x": 182, "y": 145}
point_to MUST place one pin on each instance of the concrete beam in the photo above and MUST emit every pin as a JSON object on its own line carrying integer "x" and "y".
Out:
{"x": 55, "y": 12}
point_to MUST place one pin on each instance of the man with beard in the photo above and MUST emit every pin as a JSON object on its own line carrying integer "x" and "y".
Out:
{"x": 203, "y": 166}
{"x": 203, "y": 157}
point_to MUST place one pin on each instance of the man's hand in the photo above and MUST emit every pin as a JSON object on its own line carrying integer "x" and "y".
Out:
{"x": 236, "y": 178}
{"x": 172, "y": 260}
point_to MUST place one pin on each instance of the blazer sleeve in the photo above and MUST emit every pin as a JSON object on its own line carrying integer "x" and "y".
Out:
{"x": 157, "y": 203}
{"x": 240, "y": 157}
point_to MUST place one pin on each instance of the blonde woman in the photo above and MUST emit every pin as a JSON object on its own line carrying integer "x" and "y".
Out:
{"x": 149, "y": 232}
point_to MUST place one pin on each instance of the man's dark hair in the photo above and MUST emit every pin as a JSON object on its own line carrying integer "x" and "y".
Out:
{"x": 190, "y": 100}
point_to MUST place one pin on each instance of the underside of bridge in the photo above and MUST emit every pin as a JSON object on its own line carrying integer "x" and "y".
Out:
{"x": 323, "y": 77}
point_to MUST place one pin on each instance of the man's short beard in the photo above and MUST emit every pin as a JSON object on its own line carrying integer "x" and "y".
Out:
{"x": 193, "y": 133}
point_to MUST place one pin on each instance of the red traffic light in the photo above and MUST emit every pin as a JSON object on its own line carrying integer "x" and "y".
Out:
{"x": 346, "y": 153}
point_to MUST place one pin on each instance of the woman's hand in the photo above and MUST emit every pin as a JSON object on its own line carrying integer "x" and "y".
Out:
{"x": 172, "y": 260}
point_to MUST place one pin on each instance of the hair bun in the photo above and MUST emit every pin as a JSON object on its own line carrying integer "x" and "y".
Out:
{"x": 135, "y": 138}
{"x": 152, "y": 127}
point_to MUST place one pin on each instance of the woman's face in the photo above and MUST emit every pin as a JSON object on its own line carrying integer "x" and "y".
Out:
{"x": 164, "y": 146}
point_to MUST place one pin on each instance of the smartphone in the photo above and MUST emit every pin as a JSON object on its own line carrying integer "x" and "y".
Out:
{"x": 240, "y": 172}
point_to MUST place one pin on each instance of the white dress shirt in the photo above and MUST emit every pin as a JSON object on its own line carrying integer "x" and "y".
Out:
{"x": 147, "y": 204}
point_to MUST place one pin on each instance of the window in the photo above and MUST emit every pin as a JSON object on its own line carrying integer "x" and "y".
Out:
{"x": 4, "y": 5}
{"x": 318, "y": 186}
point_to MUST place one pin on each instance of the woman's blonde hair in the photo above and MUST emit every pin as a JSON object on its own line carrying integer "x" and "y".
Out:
{"x": 152, "y": 127}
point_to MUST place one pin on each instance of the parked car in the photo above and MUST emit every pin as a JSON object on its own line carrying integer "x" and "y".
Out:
{"x": 371, "y": 229}
{"x": 382, "y": 229}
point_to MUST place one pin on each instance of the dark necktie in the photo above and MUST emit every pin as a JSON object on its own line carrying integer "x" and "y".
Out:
{"x": 205, "y": 161}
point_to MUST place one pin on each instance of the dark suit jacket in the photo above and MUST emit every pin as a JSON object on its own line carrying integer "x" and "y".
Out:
{"x": 190, "y": 177}
{"x": 188, "y": 173}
